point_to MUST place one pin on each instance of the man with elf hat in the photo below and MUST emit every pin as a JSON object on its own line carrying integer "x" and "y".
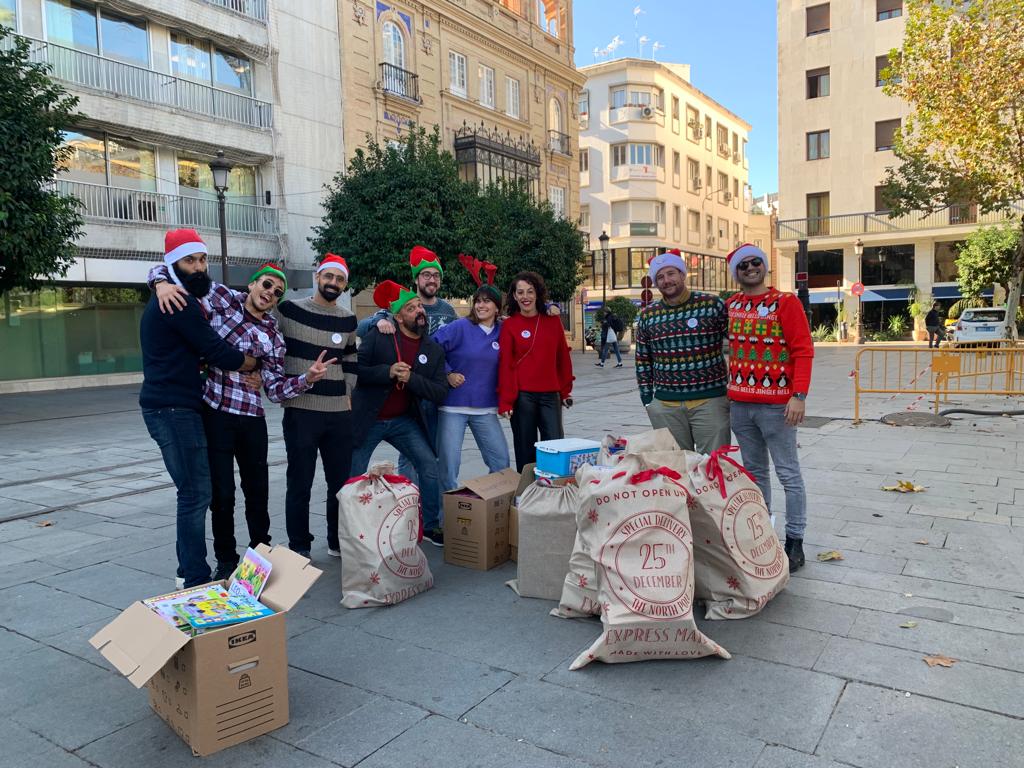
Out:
{"x": 233, "y": 414}
{"x": 680, "y": 366}
{"x": 399, "y": 373}
{"x": 173, "y": 346}
{"x": 426, "y": 276}
{"x": 770, "y": 358}
{"x": 320, "y": 420}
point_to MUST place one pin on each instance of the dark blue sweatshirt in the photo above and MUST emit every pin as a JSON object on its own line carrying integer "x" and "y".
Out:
{"x": 172, "y": 347}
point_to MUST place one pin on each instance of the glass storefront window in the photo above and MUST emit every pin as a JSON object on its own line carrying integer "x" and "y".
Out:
{"x": 195, "y": 179}
{"x": 9, "y": 13}
{"x": 945, "y": 260}
{"x": 87, "y": 160}
{"x": 824, "y": 268}
{"x": 190, "y": 57}
{"x": 72, "y": 24}
{"x": 232, "y": 72}
{"x": 641, "y": 256}
{"x": 124, "y": 39}
{"x": 888, "y": 265}
{"x": 131, "y": 167}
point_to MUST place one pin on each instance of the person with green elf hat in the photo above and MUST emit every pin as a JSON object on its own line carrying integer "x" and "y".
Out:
{"x": 426, "y": 276}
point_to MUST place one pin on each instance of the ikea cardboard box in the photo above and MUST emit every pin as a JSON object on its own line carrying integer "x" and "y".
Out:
{"x": 525, "y": 481}
{"x": 222, "y": 687}
{"x": 476, "y": 521}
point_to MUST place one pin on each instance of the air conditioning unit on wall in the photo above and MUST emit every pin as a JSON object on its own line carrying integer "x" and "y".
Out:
{"x": 646, "y": 112}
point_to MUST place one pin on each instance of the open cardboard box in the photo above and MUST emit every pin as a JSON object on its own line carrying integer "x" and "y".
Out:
{"x": 476, "y": 521}
{"x": 224, "y": 686}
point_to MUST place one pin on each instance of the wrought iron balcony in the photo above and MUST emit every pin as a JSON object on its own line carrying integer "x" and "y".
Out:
{"x": 399, "y": 82}
{"x": 559, "y": 142}
{"x": 92, "y": 71}
{"x": 116, "y": 204}
{"x": 254, "y": 9}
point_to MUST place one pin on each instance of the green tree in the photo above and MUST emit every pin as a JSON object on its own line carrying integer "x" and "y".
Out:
{"x": 961, "y": 68}
{"x": 987, "y": 258}
{"x": 38, "y": 227}
{"x": 624, "y": 309}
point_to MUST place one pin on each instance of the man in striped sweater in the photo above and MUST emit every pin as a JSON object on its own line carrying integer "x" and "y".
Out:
{"x": 319, "y": 420}
{"x": 680, "y": 367}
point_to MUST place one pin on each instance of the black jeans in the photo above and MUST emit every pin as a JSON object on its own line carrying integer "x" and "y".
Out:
{"x": 307, "y": 433}
{"x": 534, "y": 412}
{"x": 231, "y": 438}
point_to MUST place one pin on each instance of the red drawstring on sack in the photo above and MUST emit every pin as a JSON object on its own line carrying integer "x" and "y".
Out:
{"x": 713, "y": 469}
{"x": 670, "y": 474}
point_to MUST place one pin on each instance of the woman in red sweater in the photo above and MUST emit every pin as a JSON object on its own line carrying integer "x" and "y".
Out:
{"x": 534, "y": 368}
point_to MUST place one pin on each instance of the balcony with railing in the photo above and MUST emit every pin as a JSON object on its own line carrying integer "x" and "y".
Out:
{"x": 116, "y": 204}
{"x": 92, "y": 71}
{"x": 399, "y": 82}
{"x": 559, "y": 143}
{"x": 879, "y": 222}
{"x": 253, "y": 9}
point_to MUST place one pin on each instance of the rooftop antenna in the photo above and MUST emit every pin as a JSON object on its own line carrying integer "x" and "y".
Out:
{"x": 636, "y": 26}
{"x": 655, "y": 48}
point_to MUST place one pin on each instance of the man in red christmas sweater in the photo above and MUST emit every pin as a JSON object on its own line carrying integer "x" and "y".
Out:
{"x": 770, "y": 357}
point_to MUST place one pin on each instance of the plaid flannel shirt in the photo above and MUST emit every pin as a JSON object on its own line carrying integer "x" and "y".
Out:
{"x": 260, "y": 338}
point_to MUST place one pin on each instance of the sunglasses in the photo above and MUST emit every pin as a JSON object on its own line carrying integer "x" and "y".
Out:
{"x": 268, "y": 285}
{"x": 745, "y": 265}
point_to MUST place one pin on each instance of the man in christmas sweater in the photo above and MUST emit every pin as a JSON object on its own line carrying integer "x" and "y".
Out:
{"x": 680, "y": 366}
{"x": 770, "y": 357}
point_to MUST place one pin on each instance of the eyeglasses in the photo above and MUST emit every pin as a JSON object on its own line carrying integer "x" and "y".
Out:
{"x": 431, "y": 275}
{"x": 268, "y": 285}
{"x": 748, "y": 264}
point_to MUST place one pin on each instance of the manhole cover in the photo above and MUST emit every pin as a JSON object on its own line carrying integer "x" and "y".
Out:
{"x": 912, "y": 419}
{"x": 815, "y": 422}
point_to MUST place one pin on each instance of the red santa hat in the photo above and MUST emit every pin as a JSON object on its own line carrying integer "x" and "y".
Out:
{"x": 742, "y": 252}
{"x": 671, "y": 258}
{"x": 391, "y": 296}
{"x": 333, "y": 261}
{"x": 179, "y": 243}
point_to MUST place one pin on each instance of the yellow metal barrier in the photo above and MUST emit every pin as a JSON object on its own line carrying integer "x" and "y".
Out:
{"x": 938, "y": 373}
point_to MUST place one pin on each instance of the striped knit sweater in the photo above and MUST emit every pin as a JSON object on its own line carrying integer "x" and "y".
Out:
{"x": 679, "y": 349}
{"x": 309, "y": 329}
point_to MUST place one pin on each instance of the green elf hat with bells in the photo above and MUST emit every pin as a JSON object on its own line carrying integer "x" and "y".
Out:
{"x": 421, "y": 258}
{"x": 270, "y": 268}
{"x": 391, "y": 296}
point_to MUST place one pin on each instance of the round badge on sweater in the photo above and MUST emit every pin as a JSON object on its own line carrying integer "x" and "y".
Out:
{"x": 336, "y": 338}
{"x": 762, "y": 311}
{"x": 494, "y": 345}
{"x": 422, "y": 359}
{"x": 525, "y": 334}
{"x": 691, "y": 323}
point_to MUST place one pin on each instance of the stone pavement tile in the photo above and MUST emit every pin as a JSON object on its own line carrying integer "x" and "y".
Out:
{"x": 112, "y": 529}
{"x": 862, "y": 560}
{"x": 39, "y": 611}
{"x": 885, "y": 517}
{"x": 979, "y": 528}
{"x": 341, "y": 723}
{"x": 818, "y": 615}
{"x": 821, "y": 572}
{"x": 145, "y": 519}
{"x": 55, "y": 543}
{"x": 829, "y": 540}
{"x": 438, "y": 741}
{"x": 160, "y": 560}
{"x": 980, "y": 597}
{"x": 439, "y": 682}
{"x": 75, "y": 642}
{"x": 981, "y": 646}
{"x": 151, "y": 743}
{"x": 12, "y": 645}
{"x": 986, "y": 545}
{"x": 879, "y": 728}
{"x": 972, "y": 685}
{"x": 959, "y": 512}
{"x": 11, "y": 555}
{"x": 603, "y": 732}
{"x": 1000, "y": 518}
{"x": 110, "y": 584}
{"x": 781, "y": 757}
{"x": 1001, "y": 572}
{"x": 760, "y": 639}
{"x": 25, "y": 749}
{"x": 880, "y": 531}
{"x": 296, "y": 625}
{"x": 41, "y": 495}
{"x": 111, "y": 549}
{"x": 931, "y": 552}
{"x": 44, "y": 673}
{"x": 743, "y": 692}
{"x": 21, "y": 572}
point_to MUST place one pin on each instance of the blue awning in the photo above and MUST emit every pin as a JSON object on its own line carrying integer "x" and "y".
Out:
{"x": 825, "y": 297}
{"x": 953, "y": 292}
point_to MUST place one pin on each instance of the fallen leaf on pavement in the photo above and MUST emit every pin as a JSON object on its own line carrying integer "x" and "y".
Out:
{"x": 44, "y": 523}
{"x": 832, "y": 554}
{"x": 908, "y": 625}
{"x": 938, "y": 660}
{"x": 875, "y": 514}
{"x": 904, "y": 486}
{"x": 921, "y": 541}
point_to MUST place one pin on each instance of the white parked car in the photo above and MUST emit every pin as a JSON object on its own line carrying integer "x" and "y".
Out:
{"x": 980, "y": 325}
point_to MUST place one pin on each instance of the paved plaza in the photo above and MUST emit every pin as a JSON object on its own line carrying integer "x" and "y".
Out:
{"x": 468, "y": 674}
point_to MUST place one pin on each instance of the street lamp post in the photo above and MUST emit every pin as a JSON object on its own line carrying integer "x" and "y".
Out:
{"x": 221, "y": 169}
{"x": 604, "y": 267}
{"x": 858, "y": 251}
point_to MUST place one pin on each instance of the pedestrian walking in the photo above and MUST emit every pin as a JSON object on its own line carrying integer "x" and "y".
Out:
{"x": 398, "y": 373}
{"x": 680, "y": 365}
{"x": 534, "y": 368}
{"x": 173, "y": 348}
{"x": 933, "y": 324}
{"x": 770, "y": 359}
{"x": 471, "y": 347}
{"x": 233, "y": 415}
{"x": 611, "y": 327}
{"x": 319, "y": 421}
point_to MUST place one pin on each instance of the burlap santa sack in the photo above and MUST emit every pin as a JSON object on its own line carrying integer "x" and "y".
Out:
{"x": 639, "y": 535}
{"x": 547, "y": 529}
{"x": 740, "y": 564}
{"x": 614, "y": 449}
{"x": 380, "y": 528}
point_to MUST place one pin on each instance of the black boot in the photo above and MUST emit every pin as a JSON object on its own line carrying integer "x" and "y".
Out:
{"x": 795, "y": 552}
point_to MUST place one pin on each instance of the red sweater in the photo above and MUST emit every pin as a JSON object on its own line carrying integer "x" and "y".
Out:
{"x": 770, "y": 347}
{"x": 533, "y": 358}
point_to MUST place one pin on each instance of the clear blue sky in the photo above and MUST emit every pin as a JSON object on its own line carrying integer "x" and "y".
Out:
{"x": 730, "y": 46}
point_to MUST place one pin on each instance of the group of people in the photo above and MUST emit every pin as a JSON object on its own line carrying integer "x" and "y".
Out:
{"x": 414, "y": 375}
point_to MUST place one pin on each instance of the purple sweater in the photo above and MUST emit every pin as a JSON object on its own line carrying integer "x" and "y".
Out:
{"x": 474, "y": 354}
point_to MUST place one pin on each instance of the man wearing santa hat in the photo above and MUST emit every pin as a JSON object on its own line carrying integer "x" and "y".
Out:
{"x": 680, "y": 365}
{"x": 770, "y": 358}
{"x": 399, "y": 374}
{"x": 174, "y": 345}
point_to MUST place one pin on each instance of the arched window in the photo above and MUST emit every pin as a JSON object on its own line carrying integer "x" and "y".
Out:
{"x": 555, "y": 115}
{"x": 394, "y": 45}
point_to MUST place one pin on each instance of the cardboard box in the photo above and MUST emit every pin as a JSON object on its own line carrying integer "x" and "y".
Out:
{"x": 222, "y": 687}
{"x": 525, "y": 481}
{"x": 476, "y": 521}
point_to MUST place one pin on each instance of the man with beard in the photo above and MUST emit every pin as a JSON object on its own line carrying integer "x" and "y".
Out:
{"x": 398, "y": 374}
{"x": 318, "y": 421}
{"x": 233, "y": 413}
{"x": 426, "y": 275}
{"x": 173, "y": 346}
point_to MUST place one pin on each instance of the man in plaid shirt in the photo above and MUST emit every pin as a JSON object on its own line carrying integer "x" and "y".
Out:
{"x": 233, "y": 413}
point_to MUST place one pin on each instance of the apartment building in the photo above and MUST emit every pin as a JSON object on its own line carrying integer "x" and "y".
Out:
{"x": 662, "y": 165}
{"x": 496, "y": 76}
{"x": 836, "y": 131}
{"x": 163, "y": 87}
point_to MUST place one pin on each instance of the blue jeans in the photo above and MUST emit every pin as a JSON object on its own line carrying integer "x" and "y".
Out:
{"x": 615, "y": 347}
{"x": 451, "y": 431}
{"x": 761, "y": 430}
{"x": 406, "y": 435}
{"x": 182, "y": 440}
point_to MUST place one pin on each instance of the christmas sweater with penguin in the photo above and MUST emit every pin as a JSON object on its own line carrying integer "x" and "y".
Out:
{"x": 770, "y": 348}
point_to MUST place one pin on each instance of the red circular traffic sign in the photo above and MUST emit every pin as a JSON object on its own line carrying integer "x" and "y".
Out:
{"x": 857, "y": 289}
{"x": 646, "y": 296}
{"x": 646, "y": 282}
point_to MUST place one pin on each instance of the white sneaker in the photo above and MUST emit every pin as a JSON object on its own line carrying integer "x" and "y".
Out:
{"x": 179, "y": 582}
{"x": 334, "y": 552}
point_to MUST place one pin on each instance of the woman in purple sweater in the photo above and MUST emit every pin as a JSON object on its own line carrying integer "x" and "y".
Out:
{"x": 471, "y": 351}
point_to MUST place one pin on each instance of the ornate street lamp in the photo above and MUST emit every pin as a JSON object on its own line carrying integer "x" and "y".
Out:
{"x": 221, "y": 169}
{"x": 604, "y": 267}
{"x": 858, "y": 251}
